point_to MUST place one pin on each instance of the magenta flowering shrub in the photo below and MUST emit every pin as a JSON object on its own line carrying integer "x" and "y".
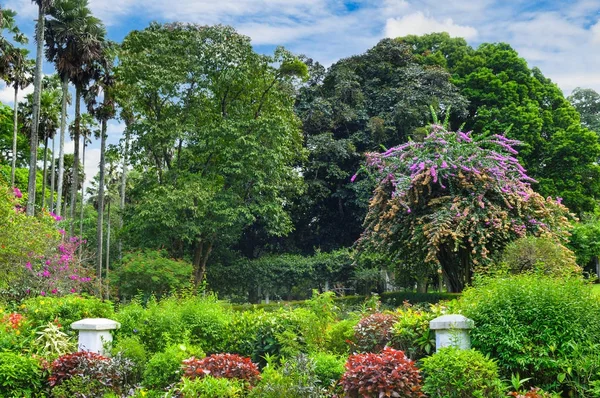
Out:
{"x": 450, "y": 201}
{"x": 35, "y": 256}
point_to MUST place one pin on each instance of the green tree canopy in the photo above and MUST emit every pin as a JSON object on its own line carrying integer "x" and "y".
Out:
{"x": 216, "y": 137}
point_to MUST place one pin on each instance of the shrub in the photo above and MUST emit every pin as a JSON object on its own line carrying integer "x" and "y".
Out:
{"x": 374, "y": 332}
{"x": 534, "y": 392}
{"x": 97, "y": 374}
{"x": 411, "y": 332}
{"x": 339, "y": 337}
{"x": 279, "y": 335}
{"x": 329, "y": 368}
{"x": 150, "y": 272}
{"x": 540, "y": 254}
{"x": 529, "y": 323}
{"x": 243, "y": 329}
{"x": 164, "y": 368}
{"x": 389, "y": 373}
{"x": 210, "y": 387}
{"x": 132, "y": 348}
{"x": 456, "y": 373}
{"x": 52, "y": 342}
{"x": 296, "y": 378}
{"x": 229, "y": 366}
{"x": 20, "y": 376}
{"x": 65, "y": 310}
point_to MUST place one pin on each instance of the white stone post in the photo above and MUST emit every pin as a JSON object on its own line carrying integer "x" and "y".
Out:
{"x": 94, "y": 333}
{"x": 452, "y": 330}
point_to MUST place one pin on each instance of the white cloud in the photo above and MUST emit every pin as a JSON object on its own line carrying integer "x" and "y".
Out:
{"x": 595, "y": 32}
{"x": 24, "y": 8}
{"x": 419, "y": 24}
{"x": 7, "y": 94}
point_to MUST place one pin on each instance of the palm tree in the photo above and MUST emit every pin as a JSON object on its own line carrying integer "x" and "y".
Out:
{"x": 43, "y": 7}
{"x": 103, "y": 112}
{"x": 73, "y": 40}
{"x": 19, "y": 74}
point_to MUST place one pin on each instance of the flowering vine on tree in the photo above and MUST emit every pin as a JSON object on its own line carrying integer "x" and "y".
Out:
{"x": 450, "y": 201}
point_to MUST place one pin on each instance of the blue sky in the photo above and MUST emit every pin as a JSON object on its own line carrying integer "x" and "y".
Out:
{"x": 561, "y": 37}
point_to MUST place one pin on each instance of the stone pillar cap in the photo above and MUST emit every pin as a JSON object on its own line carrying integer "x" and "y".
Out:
{"x": 95, "y": 324}
{"x": 451, "y": 321}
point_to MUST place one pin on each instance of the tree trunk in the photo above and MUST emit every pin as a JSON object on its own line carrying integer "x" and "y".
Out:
{"x": 75, "y": 179}
{"x": 100, "y": 222}
{"x": 52, "y": 176}
{"x": 201, "y": 254}
{"x": 14, "y": 147}
{"x": 123, "y": 184}
{"x": 44, "y": 172}
{"x": 37, "y": 91}
{"x": 82, "y": 192}
{"x": 107, "y": 246}
{"x": 61, "y": 148}
{"x": 456, "y": 268}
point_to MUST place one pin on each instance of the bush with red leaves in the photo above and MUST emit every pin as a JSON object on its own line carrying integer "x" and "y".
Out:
{"x": 388, "y": 374}
{"x": 374, "y": 332}
{"x": 76, "y": 364}
{"x": 230, "y": 366}
{"x": 535, "y": 392}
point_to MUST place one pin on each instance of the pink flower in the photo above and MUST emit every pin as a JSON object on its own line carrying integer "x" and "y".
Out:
{"x": 61, "y": 231}
{"x": 46, "y": 273}
{"x": 17, "y": 192}
{"x": 28, "y": 265}
{"x": 353, "y": 178}
{"x": 72, "y": 290}
{"x": 54, "y": 291}
{"x": 42, "y": 293}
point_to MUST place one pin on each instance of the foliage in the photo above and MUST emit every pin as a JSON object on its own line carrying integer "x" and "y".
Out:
{"x": 534, "y": 392}
{"x": 587, "y": 103}
{"x": 150, "y": 273}
{"x": 374, "y": 332}
{"x": 528, "y": 323}
{"x": 296, "y": 378}
{"x": 339, "y": 338}
{"x": 220, "y": 133}
{"x": 52, "y": 342}
{"x": 89, "y": 373}
{"x": 539, "y": 254}
{"x": 359, "y": 104}
{"x": 585, "y": 241}
{"x": 389, "y": 373}
{"x": 329, "y": 368}
{"x": 411, "y": 332}
{"x": 131, "y": 347}
{"x": 450, "y": 200}
{"x": 505, "y": 95}
{"x": 65, "y": 310}
{"x": 455, "y": 373}
{"x": 20, "y": 375}
{"x": 229, "y": 366}
{"x": 210, "y": 387}
{"x": 164, "y": 368}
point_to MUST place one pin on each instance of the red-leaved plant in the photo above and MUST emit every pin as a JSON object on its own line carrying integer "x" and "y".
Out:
{"x": 69, "y": 365}
{"x": 388, "y": 374}
{"x": 534, "y": 392}
{"x": 230, "y": 366}
{"x": 374, "y": 332}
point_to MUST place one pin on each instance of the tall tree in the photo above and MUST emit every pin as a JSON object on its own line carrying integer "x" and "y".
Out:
{"x": 215, "y": 133}
{"x": 74, "y": 40}
{"x": 19, "y": 74}
{"x": 103, "y": 112}
{"x": 587, "y": 103}
{"x": 43, "y": 7}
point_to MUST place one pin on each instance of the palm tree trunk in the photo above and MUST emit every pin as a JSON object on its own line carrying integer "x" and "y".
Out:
{"x": 37, "y": 91}
{"x": 123, "y": 183}
{"x": 107, "y": 247}
{"x": 75, "y": 179}
{"x": 14, "y": 147}
{"x": 44, "y": 172}
{"x": 82, "y": 186}
{"x": 52, "y": 176}
{"x": 99, "y": 235}
{"x": 61, "y": 148}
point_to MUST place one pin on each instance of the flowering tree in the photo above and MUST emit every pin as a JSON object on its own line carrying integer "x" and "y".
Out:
{"x": 451, "y": 201}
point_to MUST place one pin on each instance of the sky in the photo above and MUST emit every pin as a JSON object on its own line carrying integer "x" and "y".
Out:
{"x": 561, "y": 37}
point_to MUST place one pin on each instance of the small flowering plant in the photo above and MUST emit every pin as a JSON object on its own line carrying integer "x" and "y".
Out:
{"x": 451, "y": 200}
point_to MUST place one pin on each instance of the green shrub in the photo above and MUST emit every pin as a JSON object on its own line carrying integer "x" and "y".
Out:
{"x": 65, "y": 310}
{"x": 456, "y": 373}
{"x": 296, "y": 378}
{"x": 279, "y": 335}
{"x": 131, "y": 347}
{"x": 329, "y": 368}
{"x": 150, "y": 272}
{"x": 20, "y": 376}
{"x": 210, "y": 387}
{"x": 164, "y": 368}
{"x": 528, "y": 323}
{"x": 339, "y": 337}
{"x": 539, "y": 254}
{"x": 411, "y": 332}
{"x": 243, "y": 329}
